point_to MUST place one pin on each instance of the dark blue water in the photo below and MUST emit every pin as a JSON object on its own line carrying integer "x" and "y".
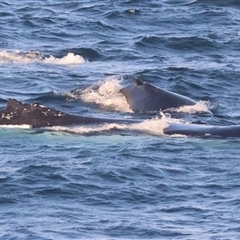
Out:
{"x": 119, "y": 181}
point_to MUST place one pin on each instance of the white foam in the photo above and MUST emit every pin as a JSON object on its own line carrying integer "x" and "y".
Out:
{"x": 69, "y": 59}
{"x": 199, "y": 107}
{"x": 89, "y": 129}
{"x": 16, "y": 56}
{"x": 153, "y": 126}
{"x": 106, "y": 94}
{"x": 23, "y": 126}
{"x": 32, "y": 57}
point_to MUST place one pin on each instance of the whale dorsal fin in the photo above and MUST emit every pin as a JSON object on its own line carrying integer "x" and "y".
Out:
{"x": 138, "y": 81}
{"x": 14, "y": 104}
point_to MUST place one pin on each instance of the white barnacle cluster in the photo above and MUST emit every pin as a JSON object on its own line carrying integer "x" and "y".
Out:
{"x": 46, "y": 112}
{"x": 7, "y": 116}
{"x": 58, "y": 114}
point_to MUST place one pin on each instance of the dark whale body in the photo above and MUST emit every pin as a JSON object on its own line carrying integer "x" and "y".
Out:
{"x": 37, "y": 115}
{"x": 144, "y": 97}
{"x": 202, "y": 130}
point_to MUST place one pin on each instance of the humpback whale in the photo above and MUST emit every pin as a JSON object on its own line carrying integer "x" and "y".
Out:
{"x": 37, "y": 115}
{"x": 144, "y": 97}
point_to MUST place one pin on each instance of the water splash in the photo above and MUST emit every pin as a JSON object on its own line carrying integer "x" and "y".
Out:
{"x": 199, "y": 107}
{"x": 34, "y": 56}
{"x": 17, "y": 56}
{"x": 105, "y": 93}
{"x": 69, "y": 59}
{"x": 154, "y": 126}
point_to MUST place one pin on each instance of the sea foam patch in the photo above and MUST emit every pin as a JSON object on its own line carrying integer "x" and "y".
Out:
{"x": 22, "y": 126}
{"x": 154, "y": 126}
{"x": 105, "y": 93}
{"x": 70, "y": 58}
{"x": 199, "y": 107}
{"x": 35, "y": 56}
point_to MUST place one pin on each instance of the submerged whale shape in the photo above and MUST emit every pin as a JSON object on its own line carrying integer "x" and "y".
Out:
{"x": 144, "y": 97}
{"x": 37, "y": 115}
{"x": 202, "y": 130}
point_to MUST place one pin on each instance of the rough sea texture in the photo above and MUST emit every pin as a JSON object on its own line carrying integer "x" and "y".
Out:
{"x": 119, "y": 181}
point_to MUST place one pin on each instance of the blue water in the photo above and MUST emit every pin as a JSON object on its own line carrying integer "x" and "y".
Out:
{"x": 119, "y": 182}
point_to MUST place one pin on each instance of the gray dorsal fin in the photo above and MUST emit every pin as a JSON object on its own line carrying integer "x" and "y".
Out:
{"x": 138, "y": 81}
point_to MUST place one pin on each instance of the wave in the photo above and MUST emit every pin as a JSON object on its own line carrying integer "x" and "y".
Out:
{"x": 188, "y": 43}
{"x": 35, "y": 56}
{"x": 180, "y": 2}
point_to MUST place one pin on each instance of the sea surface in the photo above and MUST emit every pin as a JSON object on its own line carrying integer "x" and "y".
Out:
{"x": 119, "y": 181}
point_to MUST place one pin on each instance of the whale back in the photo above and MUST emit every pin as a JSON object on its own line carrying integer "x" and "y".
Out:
{"x": 37, "y": 115}
{"x": 202, "y": 130}
{"x": 144, "y": 97}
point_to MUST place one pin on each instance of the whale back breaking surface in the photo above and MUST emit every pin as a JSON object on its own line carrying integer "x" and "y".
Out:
{"x": 202, "y": 130}
{"x": 144, "y": 97}
{"x": 37, "y": 115}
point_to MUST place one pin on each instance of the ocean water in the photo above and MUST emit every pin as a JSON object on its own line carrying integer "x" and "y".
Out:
{"x": 119, "y": 181}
